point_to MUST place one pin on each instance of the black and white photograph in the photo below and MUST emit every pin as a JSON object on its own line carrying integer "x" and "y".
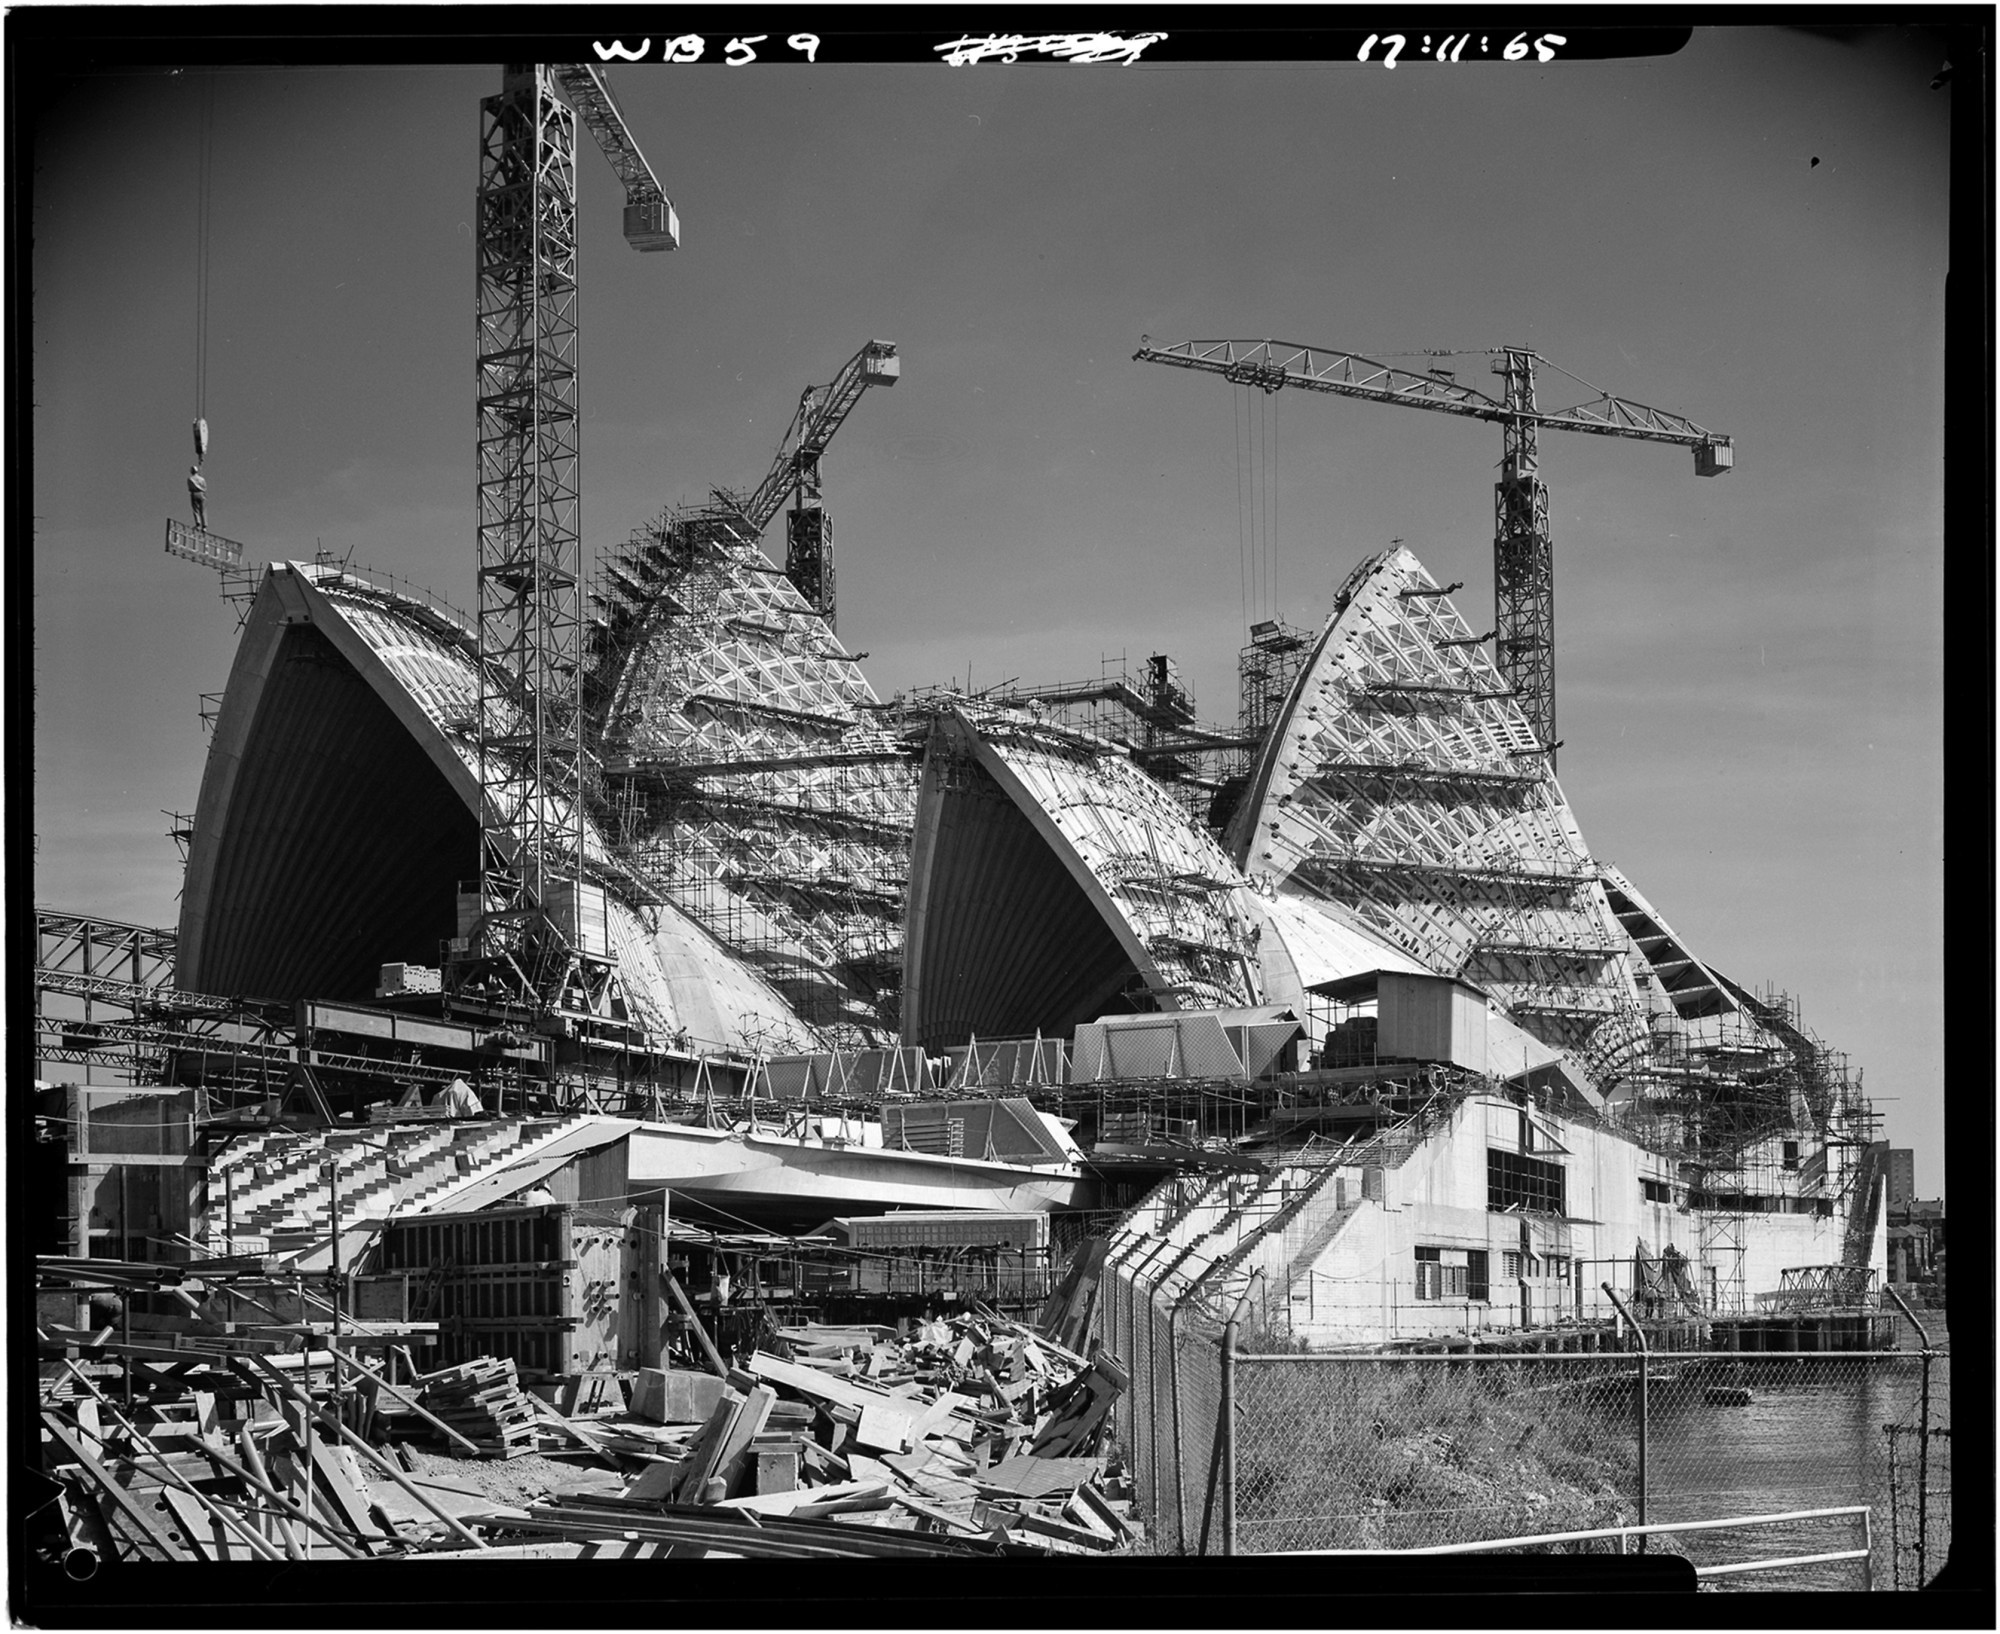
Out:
{"x": 1018, "y": 798}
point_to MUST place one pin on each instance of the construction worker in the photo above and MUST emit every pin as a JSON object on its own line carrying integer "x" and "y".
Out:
{"x": 197, "y": 497}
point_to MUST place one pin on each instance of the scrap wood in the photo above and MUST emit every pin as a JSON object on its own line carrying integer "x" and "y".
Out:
{"x": 127, "y": 1505}
{"x": 1026, "y": 1476}
{"x": 326, "y": 1529}
{"x": 817, "y": 1498}
{"x": 176, "y": 1492}
{"x": 1034, "y": 1520}
{"x": 588, "y": 1442}
{"x": 211, "y": 1531}
{"x": 707, "y": 1447}
{"x": 942, "y": 1517}
{"x": 1089, "y": 1497}
{"x": 403, "y": 1396}
{"x": 708, "y": 1350}
{"x": 734, "y": 1457}
{"x": 886, "y": 1428}
{"x": 385, "y": 1465}
{"x": 811, "y": 1382}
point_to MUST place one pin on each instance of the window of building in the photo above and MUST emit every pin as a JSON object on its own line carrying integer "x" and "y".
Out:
{"x": 1442, "y": 1273}
{"x": 1658, "y": 1191}
{"x": 1510, "y": 1265}
{"x": 1514, "y": 1181}
{"x": 1791, "y": 1154}
{"x": 1558, "y": 1266}
{"x": 1477, "y": 1285}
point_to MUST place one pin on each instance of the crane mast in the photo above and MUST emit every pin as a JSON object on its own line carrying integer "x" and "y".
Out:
{"x": 1523, "y": 549}
{"x": 530, "y": 719}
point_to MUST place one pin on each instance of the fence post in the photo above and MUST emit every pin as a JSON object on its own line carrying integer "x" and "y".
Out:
{"x": 1180, "y": 1445}
{"x": 1229, "y": 1437}
{"x": 1923, "y": 1433}
{"x": 1644, "y": 1358}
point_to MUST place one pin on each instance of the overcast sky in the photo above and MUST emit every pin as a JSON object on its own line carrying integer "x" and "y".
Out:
{"x": 1749, "y": 667}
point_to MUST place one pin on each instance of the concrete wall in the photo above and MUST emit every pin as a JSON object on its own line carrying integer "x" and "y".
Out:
{"x": 1362, "y": 1287}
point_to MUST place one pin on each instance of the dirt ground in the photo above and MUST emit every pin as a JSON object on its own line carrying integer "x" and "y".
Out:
{"x": 525, "y": 1479}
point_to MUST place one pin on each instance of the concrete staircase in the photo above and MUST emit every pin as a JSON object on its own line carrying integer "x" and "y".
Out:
{"x": 273, "y": 1187}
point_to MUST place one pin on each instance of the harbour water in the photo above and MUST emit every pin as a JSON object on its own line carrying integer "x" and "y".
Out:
{"x": 1813, "y": 1435}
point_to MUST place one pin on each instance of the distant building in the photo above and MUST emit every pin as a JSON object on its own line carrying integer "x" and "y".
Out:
{"x": 1902, "y": 1178}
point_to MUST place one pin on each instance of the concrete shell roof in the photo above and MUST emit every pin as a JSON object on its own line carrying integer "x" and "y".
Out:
{"x": 336, "y": 819}
{"x": 1052, "y": 881}
{"x": 791, "y": 813}
{"x": 1403, "y": 783}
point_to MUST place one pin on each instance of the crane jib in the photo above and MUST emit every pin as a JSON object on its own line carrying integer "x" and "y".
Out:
{"x": 1347, "y": 374}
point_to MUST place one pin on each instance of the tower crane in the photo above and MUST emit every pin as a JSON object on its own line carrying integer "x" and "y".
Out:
{"x": 529, "y": 929}
{"x": 794, "y": 474}
{"x": 1523, "y": 554}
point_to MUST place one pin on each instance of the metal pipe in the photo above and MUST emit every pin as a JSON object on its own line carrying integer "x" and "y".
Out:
{"x": 1644, "y": 1358}
{"x": 1228, "y": 1431}
{"x": 333, "y": 1194}
{"x": 1180, "y": 1445}
{"x": 287, "y": 1533}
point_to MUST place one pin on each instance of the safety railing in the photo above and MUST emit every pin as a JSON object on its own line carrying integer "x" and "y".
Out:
{"x": 1862, "y": 1516}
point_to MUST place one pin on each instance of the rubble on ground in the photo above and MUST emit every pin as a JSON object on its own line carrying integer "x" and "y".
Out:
{"x": 973, "y": 1435}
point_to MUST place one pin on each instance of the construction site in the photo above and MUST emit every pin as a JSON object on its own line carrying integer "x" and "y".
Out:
{"x": 618, "y": 1087}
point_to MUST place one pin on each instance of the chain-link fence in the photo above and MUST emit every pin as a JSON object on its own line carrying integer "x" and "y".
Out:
{"x": 1918, "y": 1460}
{"x": 1374, "y": 1451}
{"x": 1170, "y": 1420}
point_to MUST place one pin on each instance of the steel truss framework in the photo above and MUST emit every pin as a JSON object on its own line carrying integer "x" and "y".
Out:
{"x": 530, "y": 616}
{"x": 1405, "y": 784}
{"x": 757, "y": 782}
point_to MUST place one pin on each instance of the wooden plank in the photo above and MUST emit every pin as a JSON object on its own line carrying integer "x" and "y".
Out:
{"x": 205, "y": 1534}
{"x": 809, "y": 1381}
{"x": 223, "y": 1461}
{"x": 1089, "y": 1497}
{"x": 884, "y": 1428}
{"x": 787, "y": 1503}
{"x": 708, "y": 1350}
{"x": 1026, "y": 1476}
{"x": 702, "y": 1455}
{"x": 943, "y": 1517}
{"x": 734, "y": 1459}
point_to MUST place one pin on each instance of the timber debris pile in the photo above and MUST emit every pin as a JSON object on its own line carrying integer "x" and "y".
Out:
{"x": 212, "y": 1437}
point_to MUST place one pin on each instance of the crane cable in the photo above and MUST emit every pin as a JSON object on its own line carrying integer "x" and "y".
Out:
{"x": 1242, "y": 545}
{"x": 202, "y": 209}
